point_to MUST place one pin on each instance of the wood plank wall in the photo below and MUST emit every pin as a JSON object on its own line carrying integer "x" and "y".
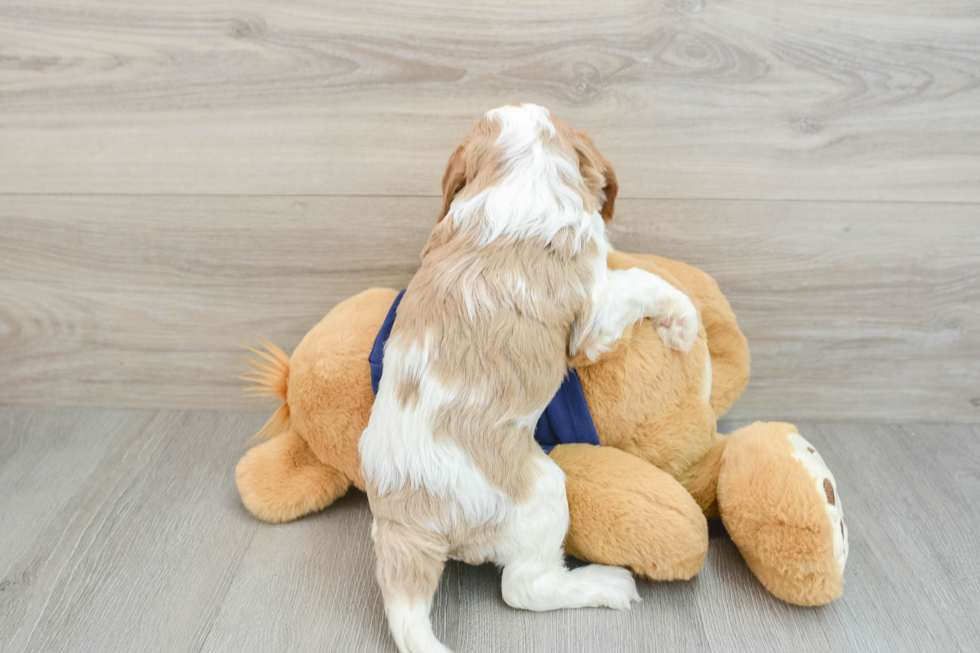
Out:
{"x": 178, "y": 179}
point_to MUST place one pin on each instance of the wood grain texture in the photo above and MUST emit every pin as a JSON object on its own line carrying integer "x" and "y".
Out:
{"x": 750, "y": 99}
{"x": 141, "y": 555}
{"x": 852, "y": 310}
{"x": 139, "y": 542}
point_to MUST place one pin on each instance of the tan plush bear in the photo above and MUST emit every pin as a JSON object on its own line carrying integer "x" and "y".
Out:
{"x": 641, "y": 499}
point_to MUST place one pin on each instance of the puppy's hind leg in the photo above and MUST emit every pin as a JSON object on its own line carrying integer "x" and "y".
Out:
{"x": 410, "y": 562}
{"x": 535, "y": 576}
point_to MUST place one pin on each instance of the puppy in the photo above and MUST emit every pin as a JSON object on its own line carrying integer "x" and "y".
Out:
{"x": 513, "y": 285}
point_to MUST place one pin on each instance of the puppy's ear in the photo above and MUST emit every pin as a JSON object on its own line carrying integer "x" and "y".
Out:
{"x": 610, "y": 190}
{"x": 453, "y": 181}
{"x": 597, "y": 173}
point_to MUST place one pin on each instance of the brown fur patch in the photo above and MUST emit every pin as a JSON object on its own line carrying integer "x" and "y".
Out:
{"x": 828, "y": 489}
{"x": 408, "y": 393}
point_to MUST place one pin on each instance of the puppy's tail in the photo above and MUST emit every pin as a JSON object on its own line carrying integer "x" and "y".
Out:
{"x": 269, "y": 377}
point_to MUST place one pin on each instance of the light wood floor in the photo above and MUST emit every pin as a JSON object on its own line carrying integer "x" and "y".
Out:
{"x": 122, "y": 531}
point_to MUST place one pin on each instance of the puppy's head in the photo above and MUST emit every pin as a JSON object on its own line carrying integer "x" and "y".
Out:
{"x": 513, "y": 131}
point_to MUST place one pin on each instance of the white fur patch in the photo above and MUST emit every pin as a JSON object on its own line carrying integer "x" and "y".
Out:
{"x": 811, "y": 459}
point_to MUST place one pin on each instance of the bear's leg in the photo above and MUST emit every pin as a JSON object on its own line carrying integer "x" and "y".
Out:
{"x": 780, "y": 504}
{"x": 281, "y": 480}
{"x": 625, "y": 512}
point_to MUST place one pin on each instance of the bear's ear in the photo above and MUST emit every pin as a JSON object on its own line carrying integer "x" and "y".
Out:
{"x": 597, "y": 173}
{"x": 453, "y": 181}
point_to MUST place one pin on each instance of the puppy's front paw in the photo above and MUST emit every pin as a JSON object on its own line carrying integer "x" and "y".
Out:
{"x": 677, "y": 322}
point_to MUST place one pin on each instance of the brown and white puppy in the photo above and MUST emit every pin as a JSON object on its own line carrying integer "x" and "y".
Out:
{"x": 513, "y": 284}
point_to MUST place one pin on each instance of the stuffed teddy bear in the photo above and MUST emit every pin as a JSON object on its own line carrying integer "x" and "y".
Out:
{"x": 640, "y": 499}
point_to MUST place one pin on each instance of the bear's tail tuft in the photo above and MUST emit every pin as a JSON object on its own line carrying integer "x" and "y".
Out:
{"x": 269, "y": 377}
